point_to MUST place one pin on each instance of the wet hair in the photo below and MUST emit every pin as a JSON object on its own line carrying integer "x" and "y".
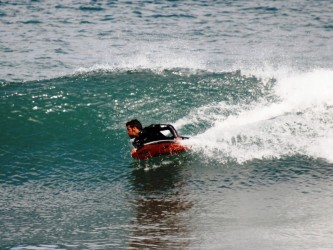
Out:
{"x": 134, "y": 123}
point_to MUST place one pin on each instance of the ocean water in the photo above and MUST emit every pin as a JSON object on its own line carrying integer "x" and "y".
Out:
{"x": 250, "y": 82}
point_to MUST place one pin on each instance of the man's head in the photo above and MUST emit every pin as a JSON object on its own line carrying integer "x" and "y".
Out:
{"x": 134, "y": 128}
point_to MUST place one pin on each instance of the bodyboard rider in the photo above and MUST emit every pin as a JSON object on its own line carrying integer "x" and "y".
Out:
{"x": 153, "y": 140}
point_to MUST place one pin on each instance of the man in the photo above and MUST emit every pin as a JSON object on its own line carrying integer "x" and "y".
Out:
{"x": 148, "y": 134}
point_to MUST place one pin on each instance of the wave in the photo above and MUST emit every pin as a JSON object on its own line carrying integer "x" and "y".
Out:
{"x": 231, "y": 115}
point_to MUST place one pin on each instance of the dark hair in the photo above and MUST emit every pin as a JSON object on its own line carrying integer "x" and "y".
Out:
{"x": 134, "y": 123}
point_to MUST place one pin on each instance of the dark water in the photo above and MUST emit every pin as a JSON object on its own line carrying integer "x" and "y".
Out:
{"x": 249, "y": 82}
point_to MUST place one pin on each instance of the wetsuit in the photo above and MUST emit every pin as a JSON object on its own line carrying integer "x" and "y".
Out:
{"x": 153, "y": 133}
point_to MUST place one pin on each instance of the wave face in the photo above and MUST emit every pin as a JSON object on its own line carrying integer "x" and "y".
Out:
{"x": 229, "y": 116}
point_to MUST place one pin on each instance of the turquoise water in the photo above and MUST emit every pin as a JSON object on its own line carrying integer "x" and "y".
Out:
{"x": 249, "y": 82}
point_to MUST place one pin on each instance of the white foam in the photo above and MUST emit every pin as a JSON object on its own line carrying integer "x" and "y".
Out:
{"x": 301, "y": 122}
{"x": 307, "y": 89}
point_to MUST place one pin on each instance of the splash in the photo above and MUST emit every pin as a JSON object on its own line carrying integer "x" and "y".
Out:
{"x": 149, "y": 56}
{"x": 298, "y": 122}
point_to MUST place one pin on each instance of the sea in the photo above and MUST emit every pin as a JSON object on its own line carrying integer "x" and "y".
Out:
{"x": 250, "y": 82}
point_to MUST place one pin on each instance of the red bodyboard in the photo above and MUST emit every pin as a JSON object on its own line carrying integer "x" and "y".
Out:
{"x": 158, "y": 148}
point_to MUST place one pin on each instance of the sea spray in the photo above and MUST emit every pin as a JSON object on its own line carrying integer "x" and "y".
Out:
{"x": 297, "y": 121}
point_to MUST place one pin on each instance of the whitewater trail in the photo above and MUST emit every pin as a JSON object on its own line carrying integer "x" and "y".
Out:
{"x": 298, "y": 122}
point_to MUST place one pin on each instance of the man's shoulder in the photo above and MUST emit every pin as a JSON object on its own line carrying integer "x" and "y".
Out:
{"x": 151, "y": 127}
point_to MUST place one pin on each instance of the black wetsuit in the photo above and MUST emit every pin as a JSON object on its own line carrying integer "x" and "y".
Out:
{"x": 153, "y": 133}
